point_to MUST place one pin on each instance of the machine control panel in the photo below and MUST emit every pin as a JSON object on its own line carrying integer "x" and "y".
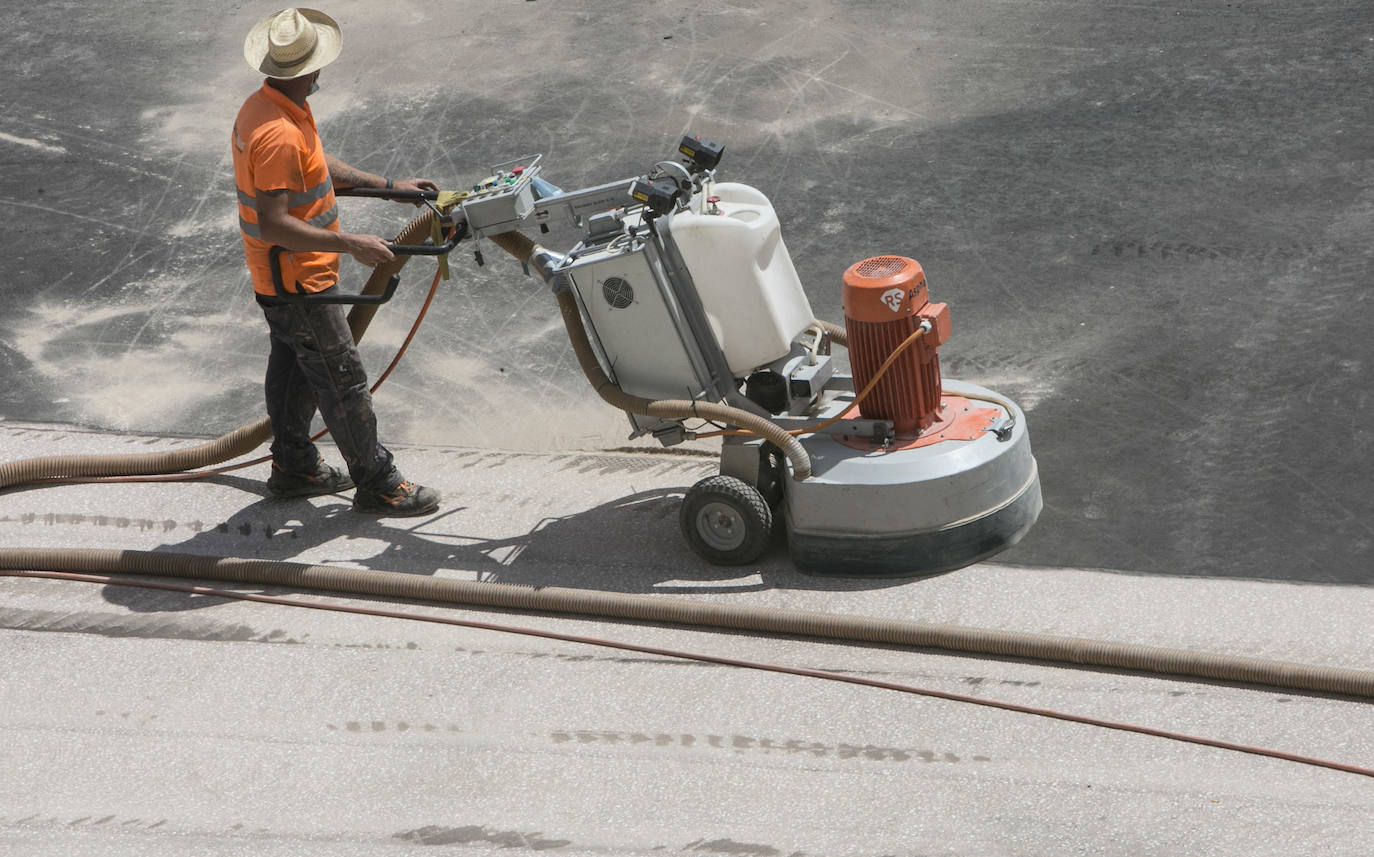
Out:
{"x": 501, "y": 202}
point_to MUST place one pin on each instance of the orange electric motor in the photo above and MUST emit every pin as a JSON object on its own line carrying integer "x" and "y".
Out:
{"x": 885, "y": 300}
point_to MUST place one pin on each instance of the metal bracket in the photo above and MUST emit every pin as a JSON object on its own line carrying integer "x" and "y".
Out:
{"x": 877, "y": 431}
{"x": 1002, "y": 427}
{"x": 578, "y": 205}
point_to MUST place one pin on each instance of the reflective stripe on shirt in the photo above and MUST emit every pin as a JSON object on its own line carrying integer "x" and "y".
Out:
{"x": 294, "y": 200}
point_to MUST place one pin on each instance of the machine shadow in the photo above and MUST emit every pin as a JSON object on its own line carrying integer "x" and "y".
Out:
{"x": 631, "y": 544}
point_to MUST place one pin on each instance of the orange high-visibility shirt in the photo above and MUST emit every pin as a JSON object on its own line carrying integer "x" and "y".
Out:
{"x": 277, "y": 147}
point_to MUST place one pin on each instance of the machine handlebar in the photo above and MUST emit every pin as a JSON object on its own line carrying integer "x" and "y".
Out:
{"x": 387, "y": 193}
{"x": 460, "y": 231}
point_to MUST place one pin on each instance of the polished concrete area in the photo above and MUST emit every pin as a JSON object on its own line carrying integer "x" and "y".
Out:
{"x": 1150, "y": 222}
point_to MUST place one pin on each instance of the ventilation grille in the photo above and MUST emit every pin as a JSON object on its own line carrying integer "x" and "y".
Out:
{"x": 617, "y": 292}
{"x": 881, "y": 267}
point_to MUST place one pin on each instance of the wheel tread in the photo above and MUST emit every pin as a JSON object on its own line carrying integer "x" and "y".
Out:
{"x": 744, "y": 499}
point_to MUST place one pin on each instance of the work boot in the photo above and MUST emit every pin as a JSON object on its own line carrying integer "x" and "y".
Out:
{"x": 322, "y": 480}
{"x": 403, "y": 501}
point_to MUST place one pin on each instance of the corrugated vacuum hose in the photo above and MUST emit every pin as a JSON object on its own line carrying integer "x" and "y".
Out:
{"x": 238, "y": 442}
{"x": 658, "y": 609}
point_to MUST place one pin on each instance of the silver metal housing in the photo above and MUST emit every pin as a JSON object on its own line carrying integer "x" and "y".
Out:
{"x": 912, "y": 511}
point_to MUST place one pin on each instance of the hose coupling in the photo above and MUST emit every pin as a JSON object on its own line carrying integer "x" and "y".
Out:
{"x": 547, "y": 263}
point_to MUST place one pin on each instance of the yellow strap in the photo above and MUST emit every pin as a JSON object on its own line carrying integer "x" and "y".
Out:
{"x": 445, "y": 202}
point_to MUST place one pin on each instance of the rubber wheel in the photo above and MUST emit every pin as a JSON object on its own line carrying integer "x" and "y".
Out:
{"x": 726, "y": 520}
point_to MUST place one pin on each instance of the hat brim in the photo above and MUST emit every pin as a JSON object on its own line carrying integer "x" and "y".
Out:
{"x": 327, "y": 46}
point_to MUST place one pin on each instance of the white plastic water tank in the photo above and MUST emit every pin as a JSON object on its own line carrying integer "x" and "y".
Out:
{"x": 735, "y": 253}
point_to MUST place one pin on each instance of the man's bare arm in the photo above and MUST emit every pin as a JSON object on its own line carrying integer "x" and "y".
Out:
{"x": 346, "y": 175}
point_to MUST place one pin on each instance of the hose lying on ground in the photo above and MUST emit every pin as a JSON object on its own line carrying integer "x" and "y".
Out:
{"x": 658, "y": 609}
{"x": 826, "y": 675}
{"x": 240, "y": 441}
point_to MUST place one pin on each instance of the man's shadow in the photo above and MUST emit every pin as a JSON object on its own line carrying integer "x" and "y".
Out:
{"x": 631, "y": 544}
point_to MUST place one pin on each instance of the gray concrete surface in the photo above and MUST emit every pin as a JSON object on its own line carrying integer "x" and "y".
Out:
{"x": 141, "y": 722}
{"x": 1149, "y": 220}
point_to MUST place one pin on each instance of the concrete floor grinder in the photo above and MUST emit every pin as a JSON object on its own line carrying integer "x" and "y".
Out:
{"x": 696, "y": 319}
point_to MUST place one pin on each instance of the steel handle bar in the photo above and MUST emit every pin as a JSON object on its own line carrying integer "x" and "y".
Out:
{"x": 387, "y": 193}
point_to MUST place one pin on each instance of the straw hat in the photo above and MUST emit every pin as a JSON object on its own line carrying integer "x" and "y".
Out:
{"x": 292, "y": 43}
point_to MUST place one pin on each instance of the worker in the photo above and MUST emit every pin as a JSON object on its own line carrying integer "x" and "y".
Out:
{"x": 286, "y": 197}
